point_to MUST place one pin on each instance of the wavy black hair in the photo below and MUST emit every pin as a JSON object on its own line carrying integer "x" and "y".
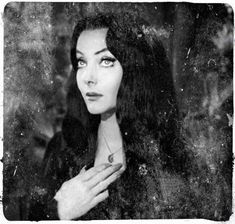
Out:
{"x": 146, "y": 102}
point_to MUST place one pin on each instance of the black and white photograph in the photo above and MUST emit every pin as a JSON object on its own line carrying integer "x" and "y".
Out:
{"x": 117, "y": 111}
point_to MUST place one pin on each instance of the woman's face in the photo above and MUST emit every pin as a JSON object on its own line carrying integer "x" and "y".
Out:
{"x": 99, "y": 73}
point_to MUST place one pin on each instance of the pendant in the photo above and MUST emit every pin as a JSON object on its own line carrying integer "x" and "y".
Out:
{"x": 110, "y": 158}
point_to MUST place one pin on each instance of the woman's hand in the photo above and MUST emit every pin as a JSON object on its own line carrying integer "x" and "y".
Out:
{"x": 83, "y": 192}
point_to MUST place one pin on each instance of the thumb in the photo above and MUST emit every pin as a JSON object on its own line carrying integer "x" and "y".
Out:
{"x": 83, "y": 170}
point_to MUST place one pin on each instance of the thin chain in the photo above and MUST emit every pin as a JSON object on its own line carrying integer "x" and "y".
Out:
{"x": 112, "y": 153}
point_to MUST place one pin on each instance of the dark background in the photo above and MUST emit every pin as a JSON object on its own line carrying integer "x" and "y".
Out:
{"x": 199, "y": 43}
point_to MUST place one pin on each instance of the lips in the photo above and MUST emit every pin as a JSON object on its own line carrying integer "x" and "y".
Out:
{"x": 93, "y": 94}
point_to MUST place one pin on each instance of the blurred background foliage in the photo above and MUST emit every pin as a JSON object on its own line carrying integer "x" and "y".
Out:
{"x": 199, "y": 43}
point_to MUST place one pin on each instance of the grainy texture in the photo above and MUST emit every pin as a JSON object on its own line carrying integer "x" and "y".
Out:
{"x": 199, "y": 43}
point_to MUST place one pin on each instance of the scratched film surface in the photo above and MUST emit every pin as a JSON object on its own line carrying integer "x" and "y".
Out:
{"x": 199, "y": 43}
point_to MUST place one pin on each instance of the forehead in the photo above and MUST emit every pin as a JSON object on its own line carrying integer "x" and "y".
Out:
{"x": 92, "y": 40}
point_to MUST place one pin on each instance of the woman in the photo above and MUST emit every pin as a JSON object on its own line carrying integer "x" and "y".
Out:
{"x": 120, "y": 127}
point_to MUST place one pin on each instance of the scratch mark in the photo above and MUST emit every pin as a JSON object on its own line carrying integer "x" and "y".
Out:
{"x": 15, "y": 171}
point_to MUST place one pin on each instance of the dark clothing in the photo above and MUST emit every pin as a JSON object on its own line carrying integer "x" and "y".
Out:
{"x": 143, "y": 191}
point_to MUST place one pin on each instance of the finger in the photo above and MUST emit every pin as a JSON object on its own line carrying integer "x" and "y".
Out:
{"x": 99, "y": 198}
{"x": 94, "y": 170}
{"x": 58, "y": 196}
{"x": 103, "y": 175}
{"x": 105, "y": 183}
{"x": 83, "y": 170}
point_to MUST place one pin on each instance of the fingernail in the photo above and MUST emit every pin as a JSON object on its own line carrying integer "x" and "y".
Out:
{"x": 106, "y": 165}
{"x": 119, "y": 175}
{"x": 84, "y": 168}
{"x": 118, "y": 165}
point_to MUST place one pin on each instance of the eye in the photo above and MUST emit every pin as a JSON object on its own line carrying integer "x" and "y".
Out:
{"x": 81, "y": 63}
{"x": 107, "y": 61}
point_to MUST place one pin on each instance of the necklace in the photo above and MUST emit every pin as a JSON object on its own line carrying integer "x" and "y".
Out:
{"x": 110, "y": 157}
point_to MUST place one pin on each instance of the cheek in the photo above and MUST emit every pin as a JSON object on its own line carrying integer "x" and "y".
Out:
{"x": 79, "y": 83}
{"x": 119, "y": 80}
{"x": 114, "y": 85}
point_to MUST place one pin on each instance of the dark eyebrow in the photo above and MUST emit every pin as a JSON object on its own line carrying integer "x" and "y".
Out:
{"x": 103, "y": 50}
{"x": 98, "y": 52}
{"x": 77, "y": 51}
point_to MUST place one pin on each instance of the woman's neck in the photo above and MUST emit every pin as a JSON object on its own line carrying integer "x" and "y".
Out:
{"x": 109, "y": 140}
{"x": 109, "y": 130}
{"x": 109, "y": 122}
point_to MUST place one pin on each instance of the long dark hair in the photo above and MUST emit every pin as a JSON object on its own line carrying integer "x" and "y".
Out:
{"x": 146, "y": 102}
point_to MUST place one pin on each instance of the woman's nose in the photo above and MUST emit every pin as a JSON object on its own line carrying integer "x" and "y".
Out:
{"x": 91, "y": 75}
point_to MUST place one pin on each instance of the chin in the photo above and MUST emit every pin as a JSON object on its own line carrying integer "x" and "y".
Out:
{"x": 100, "y": 110}
{"x": 95, "y": 111}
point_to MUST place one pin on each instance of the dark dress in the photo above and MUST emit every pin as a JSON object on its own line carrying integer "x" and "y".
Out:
{"x": 143, "y": 191}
